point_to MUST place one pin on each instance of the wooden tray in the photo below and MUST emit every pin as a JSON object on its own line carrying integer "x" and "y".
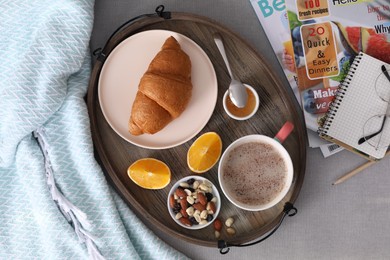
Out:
{"x": 277, "y": 106}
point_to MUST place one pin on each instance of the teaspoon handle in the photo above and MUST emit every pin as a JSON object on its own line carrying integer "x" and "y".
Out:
{"x": 221, "y": 48}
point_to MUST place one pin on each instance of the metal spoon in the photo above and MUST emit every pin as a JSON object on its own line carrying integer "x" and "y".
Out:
{"x": 237, "y": 91}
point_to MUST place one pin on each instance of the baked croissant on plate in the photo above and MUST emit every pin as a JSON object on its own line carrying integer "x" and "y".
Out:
{"x": 164, "y": 90}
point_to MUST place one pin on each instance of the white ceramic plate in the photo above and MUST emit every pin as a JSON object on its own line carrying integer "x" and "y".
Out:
{"x": 118, "y": 84}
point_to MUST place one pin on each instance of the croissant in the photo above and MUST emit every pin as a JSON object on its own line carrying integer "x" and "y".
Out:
{"x": 163, "y": 91}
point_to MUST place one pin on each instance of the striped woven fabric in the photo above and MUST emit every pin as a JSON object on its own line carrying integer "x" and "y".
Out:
{"x": 54, "y": 200}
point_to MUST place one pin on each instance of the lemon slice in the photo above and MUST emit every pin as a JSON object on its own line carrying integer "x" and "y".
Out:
{"x": 150, "y": 173}
{"x": 204, "y": 153}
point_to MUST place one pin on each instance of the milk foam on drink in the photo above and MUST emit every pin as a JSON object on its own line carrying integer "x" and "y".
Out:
{"x": 255, "y": 173}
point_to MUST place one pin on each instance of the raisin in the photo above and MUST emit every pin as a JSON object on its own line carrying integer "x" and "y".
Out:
{"x": 191, "y": 181}
{"x": 176, "y": 208}
{"x": 193, "y": 221}
{"x": 209, "y": 196}
{"x": 209, "y": 217}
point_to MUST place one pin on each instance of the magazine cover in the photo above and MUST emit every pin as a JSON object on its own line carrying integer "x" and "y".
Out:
{"x": 327, "y": 35}
{"x": 274, "y": 20}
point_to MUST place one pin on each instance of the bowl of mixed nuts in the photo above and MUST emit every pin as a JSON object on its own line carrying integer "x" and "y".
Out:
{"x": 194, "y": 202}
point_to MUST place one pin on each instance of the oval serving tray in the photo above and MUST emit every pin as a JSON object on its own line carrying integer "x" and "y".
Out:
{"x": 277, "y": 106}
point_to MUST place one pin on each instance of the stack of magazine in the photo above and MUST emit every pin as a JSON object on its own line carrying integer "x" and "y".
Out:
{"x": 314, "y": 68}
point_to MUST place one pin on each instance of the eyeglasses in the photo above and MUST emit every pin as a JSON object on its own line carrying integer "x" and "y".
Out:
{"x": 376, "y": 126}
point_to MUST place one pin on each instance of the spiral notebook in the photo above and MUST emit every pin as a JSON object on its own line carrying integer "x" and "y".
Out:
{"x": 359, "y": 109}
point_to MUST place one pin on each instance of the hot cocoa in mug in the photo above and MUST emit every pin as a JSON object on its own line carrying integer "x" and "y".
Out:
{"x": 255, "y": 172}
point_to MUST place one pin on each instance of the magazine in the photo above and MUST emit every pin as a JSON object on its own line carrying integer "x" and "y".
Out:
{"x": 274, "y": 20}
{"x": 327, "y": 36}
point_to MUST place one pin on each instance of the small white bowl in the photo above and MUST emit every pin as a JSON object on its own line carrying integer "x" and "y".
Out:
{"x": 256, "y": 106}
{"x": 214, "y": 192}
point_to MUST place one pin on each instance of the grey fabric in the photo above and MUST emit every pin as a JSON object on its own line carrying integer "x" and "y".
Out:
{"x": 346, "y": 221}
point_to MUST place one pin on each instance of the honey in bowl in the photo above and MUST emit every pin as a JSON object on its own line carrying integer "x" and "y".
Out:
{"x": 244, "y": 112}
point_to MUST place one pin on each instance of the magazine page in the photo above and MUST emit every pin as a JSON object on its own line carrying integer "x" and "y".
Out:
{"x": 327, "y": 35}
{"x": 273, "y": 18}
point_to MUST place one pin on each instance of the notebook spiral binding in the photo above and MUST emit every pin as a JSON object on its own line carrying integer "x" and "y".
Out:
{"x": 334, "y": 106}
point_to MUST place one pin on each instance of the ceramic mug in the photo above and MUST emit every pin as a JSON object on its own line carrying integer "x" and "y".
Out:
{"x": 255, "y": 172}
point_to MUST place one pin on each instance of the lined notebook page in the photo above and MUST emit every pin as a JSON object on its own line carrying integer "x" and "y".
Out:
{"x": 359, "y": 103}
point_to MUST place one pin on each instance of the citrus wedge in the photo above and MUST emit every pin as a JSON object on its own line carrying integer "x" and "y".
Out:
{"x": 204, "y": 152}
{"x": 150, "y": 173}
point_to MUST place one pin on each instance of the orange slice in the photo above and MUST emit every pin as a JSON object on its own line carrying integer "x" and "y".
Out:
{"x": 204, "y": 152}
{"x": 150, "y": 173}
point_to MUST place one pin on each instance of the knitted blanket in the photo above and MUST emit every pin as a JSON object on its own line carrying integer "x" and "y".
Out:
{"x": 54, "y": 200}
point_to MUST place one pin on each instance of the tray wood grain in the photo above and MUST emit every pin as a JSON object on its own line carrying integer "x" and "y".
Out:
{"x": 277, "y": 106}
